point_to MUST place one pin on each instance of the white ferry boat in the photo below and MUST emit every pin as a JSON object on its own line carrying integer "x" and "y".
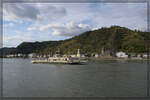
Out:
{"x": 57, "y": 58}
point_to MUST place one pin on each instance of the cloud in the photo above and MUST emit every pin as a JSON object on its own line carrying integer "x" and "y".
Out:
{"x": 52, "y": 10}
{"x": 31, "y": 28}
{"x": 54, "y": 21}
{"x": 15, "y": 39}
{"x": 30, "y": 12}
{"x": 94, "y": 16}
{"x": 21, "y": 11}
{"x": 69, "y": 29}
{"x": 9, "y": 25}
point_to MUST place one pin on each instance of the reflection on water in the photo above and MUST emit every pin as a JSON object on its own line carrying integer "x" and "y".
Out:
{"x": 98, "y": 79}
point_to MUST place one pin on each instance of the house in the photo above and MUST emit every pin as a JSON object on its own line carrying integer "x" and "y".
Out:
{"x": 121, "y": 55}
{"x": 45, "y": 56}
{"x": 32, "y": 55}
{"x": 83, "y": 55}
{"x": 133, "y": 55}
{"x": 10, "y": 56}
{"x": 106, "y": 53}
{"x": 139, "y": 55}
{"x": 102, "y": 51}
{"x": 73, "y": 55}
{"x": 145, "y": 55}
{"x": 96, "y": 55}
{"x": 19, "y": 55}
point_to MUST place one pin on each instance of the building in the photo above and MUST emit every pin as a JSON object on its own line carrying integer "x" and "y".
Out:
{"x": 73, "y": 55}
{"x": 96, "y": 55}
{"x": 139, "y": 56}
{"x": 19, "y": 55}
{"x": 83, "y": 55}
{"x": 102, "y": 51}
{"x": 121, "y": 55}
{"x": 133, "y": 55}
{"x": 10, "y": 56}
{"x": 78, "y": 53}
{"x": 106, "y": 53}
{"x": 145, "y": 56}
{"x": 32, "y": 55}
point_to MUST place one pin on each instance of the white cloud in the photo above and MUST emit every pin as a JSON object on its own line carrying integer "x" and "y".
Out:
{"x": 69, "y": 29}
{"x": 17, "y": 39}
{"x": 55, "y": 21}
{"x": 31, "y": 28}
{"x": 131, "y": 15}
{"x": 9, "y": 25}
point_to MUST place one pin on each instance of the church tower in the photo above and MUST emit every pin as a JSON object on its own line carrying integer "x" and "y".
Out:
{"x": 78, "y": 53}
{"x": 102, "y": 51}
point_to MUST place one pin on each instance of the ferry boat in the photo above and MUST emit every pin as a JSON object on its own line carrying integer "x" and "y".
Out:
{"x": 57, "y": 58}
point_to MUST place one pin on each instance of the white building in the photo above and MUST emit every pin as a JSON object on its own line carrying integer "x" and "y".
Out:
{"x": 96, "y": 55}
{"x": 9, "y": 56}
{"x": 78, "y": 53}
{"x": 83, "y": 55}
{"x": 145, "y": 55}
{"x": 121, "y": 55}
{"x": 73, "y": 55}
{"x": 32, "y": 55}
{"x": 19, "y": 55}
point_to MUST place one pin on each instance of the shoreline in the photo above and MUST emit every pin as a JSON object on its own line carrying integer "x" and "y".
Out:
{"x": 116, "y": 59}
{"x": 93, "y": 58}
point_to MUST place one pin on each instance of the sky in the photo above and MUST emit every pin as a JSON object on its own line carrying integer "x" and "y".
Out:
{"x": 30, "y": 22}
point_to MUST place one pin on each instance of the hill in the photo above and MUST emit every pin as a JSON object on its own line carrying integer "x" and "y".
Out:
{"x": 114, "y": 38}
{"x": 5, "y": 51}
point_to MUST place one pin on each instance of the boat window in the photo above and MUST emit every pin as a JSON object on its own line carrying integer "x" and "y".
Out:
{"x": 54, "y": 59}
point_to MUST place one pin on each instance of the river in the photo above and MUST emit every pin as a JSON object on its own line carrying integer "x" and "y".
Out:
{"x": 102, "y": 78}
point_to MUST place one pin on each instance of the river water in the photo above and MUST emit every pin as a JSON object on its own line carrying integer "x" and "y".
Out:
{"x": 102, "y": 78}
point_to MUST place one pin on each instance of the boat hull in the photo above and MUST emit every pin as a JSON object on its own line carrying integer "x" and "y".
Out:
{"x": 54, "y": 62}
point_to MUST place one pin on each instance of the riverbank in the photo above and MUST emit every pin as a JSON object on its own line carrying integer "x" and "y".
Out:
{"x": 114, "y": 58}
{"x": 96, "y": 59}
